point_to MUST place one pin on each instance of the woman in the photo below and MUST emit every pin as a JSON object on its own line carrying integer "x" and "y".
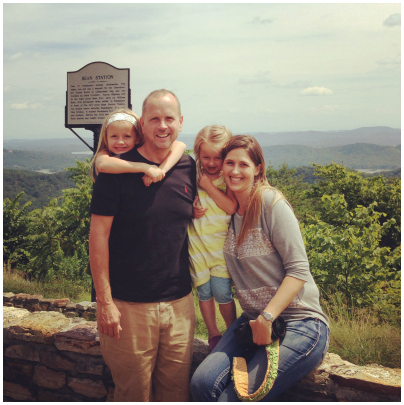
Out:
{"x": 267, "y": 261}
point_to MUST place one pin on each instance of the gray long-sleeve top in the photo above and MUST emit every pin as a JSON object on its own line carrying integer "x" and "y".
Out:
{"x": 272, "y": 250}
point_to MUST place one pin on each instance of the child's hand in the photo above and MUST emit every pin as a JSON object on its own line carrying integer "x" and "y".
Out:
{"x": 155, "y": 173}
{"x": 204, "y": 181}
{"x": 147, "y": 180}
{"x": 197, "y": 210}
{"x": 152, "y": 175}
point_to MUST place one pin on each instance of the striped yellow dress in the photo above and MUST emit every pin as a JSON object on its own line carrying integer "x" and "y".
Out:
{"x": 206, "y": 239}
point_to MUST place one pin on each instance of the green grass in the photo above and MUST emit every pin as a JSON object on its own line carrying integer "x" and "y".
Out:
{"x": 357, "y": 335}
{"x": 13, "y": 281}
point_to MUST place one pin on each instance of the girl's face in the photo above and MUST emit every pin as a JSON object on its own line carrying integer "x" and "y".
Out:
{"x": 121, "y": 137}
{"x": 239, "y": 171}
{"x": 211, "y": 160}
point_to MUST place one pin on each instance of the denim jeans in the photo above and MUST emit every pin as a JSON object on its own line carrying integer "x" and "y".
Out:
{"x": 302, "y": 350}
{"x": 218, "y": 288}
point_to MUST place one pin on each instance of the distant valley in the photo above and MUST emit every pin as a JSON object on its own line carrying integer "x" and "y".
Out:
{"x": 374, "y": 148}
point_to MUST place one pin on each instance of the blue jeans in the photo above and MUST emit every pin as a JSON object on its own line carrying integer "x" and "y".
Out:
{"x": 301, "y": 351}
{"x": 217, "y": 287}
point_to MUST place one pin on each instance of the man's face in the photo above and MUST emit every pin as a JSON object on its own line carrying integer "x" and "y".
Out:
{"x": 161, "y": 122}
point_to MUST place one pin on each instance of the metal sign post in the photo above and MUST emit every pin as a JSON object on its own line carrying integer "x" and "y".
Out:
{"x": 92, "y": 93}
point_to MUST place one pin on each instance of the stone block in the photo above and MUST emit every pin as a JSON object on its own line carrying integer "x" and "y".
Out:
{"x": 18, "y": 372}
{"x": 22, "y": 352}
{"x": 56, "y": 361}
{"x": 91, "y": 365}
{"x": 61, "y": 302}
{"x": 80, "y": 339}
{"x": 39, "y": 327}
{"x": 8, "y": 304}
{"x": 20, "y": 298}
{"x": 83, "y": 306}
{"x": 54, "y": 396}
{"x": 8, "y": 297}
{"x": 47, "y": 378}
{"x": 87, "y": 387}
{"x": 34, "y": 299}
{"x": 17, "y": 392}
{"x": 12, "y": 316}
{"x": 45, "y": 303}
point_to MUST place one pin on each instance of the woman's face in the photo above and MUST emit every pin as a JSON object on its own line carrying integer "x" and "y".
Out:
{"x": 239, "y": 171}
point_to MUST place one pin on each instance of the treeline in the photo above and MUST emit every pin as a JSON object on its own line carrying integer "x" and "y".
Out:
{"x": 351, "y": 227}
{"x": 26, "y": 160}
{"x": 41, "y": 188}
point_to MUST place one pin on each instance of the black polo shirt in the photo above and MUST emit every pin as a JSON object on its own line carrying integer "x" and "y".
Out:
{"x": 148, "y": 244}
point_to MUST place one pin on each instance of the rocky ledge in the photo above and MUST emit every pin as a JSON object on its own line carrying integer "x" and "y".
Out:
{"x": 50, "y": 357}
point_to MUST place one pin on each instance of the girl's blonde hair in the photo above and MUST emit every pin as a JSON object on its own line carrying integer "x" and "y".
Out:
{"x": 254, "y": 207}
{"x": 216, "y": 136}
{"x": 102, "y": 142}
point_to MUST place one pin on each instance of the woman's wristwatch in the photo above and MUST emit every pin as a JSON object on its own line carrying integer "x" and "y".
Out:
{"x": 268, "y": 316}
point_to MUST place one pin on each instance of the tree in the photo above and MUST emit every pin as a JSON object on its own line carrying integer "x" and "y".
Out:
{"x": 15, "y": 229}
{"x": 57, "y": 241}
{"x": 345, "y": 253}
{"x": 291, "y": 185}
{"x": 359, "y": 191}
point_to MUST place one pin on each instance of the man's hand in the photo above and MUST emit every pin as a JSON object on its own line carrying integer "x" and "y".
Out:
{"x": 262, "y": 330}
{"x": 197, "y": 210}
{"x": 108, "y": 319}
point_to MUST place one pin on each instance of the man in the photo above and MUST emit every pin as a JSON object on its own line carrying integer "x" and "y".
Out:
{"x": 140, "y": 265}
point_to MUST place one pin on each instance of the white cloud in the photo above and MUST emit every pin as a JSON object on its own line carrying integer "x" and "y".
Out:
{"x": 393, "y": 20}
{"x": 257, "y": 78}
{"x": 16, "y": 56}
{"x": 25, "y": 106}
{"x": 316, "y": 91}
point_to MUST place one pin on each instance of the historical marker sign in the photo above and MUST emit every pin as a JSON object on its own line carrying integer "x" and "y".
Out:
{"x": 93, "y": 92}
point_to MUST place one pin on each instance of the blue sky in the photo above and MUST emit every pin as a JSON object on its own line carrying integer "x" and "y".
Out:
{"x": 252, "y": 67}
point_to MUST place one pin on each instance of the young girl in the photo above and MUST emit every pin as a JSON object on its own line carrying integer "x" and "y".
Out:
{"x": 120, "y": 133}
{"x": 208, "y": 230}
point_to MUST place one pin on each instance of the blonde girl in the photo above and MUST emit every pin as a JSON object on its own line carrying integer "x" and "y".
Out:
{"x": 119, "y": 134}
{"x": 212, "y": 211}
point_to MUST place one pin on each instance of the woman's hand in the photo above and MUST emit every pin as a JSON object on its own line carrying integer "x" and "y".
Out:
{"x": 262, "y": 330}
{"x": 197, "y": 210}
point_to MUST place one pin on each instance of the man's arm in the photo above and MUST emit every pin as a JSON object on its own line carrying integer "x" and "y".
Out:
{"x": 108, "y": 315}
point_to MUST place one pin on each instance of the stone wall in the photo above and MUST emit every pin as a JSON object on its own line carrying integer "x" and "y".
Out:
{"x": 52, "y": 353}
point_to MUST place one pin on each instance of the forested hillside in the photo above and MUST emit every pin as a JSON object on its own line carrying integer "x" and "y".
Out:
{"x": 27, "y": 160}
{"x": 355, "y": 156}
{"x": 38, "y": 188}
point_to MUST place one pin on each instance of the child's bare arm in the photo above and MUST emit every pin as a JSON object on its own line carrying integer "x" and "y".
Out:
{"x": 227, "y": 202}
{"x": 177, "y": 151}
{"x": 108, "y": 164}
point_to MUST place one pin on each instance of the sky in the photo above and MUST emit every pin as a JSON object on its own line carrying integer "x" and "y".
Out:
{"x": 253, "y": 67}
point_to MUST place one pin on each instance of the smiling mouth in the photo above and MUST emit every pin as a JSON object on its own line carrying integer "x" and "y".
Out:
{"x": 162, "y": 136}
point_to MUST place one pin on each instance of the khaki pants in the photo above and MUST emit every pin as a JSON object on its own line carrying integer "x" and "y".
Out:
{"x": 152, "y": 359}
